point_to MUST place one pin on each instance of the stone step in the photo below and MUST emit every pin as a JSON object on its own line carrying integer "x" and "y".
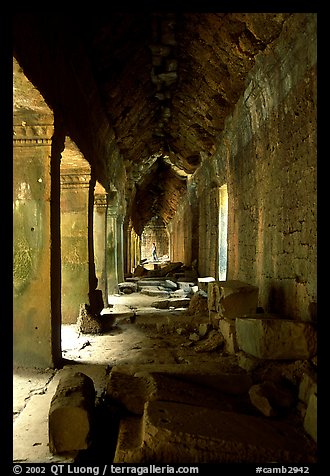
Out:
{"x": 174, "y": 432}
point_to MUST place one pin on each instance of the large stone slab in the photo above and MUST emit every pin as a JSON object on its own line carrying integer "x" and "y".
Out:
{"x": 232, "y": 298}
{"x": 133, "y": 385}
{"x": 133, "y": 391}
{"x": 276, "y": 338}
{"x": 181, "y": 433}
{"x": 154, "y": 291}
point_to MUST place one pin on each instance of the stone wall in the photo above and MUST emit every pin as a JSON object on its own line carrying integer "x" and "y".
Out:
{"x": 267, "y": 157}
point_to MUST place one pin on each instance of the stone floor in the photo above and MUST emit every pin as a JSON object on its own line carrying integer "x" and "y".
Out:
{"x": 145, "y": 339}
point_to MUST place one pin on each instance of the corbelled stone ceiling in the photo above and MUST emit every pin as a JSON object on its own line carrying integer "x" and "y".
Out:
{"x": 152, "y": 88}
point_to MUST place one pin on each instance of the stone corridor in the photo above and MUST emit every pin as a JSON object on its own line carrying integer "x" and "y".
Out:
{"x": 196, "y": 132}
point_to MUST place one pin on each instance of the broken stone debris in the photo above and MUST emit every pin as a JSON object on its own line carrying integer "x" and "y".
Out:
{"x": 237, "y": 302}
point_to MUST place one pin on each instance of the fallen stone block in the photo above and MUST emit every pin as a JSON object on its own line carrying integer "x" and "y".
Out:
{"x": 203, "y": 282}
{"x": 276, "y": 338}
{"x": 127, "y": 287}
{"x": 133, "y": 391}
{"x": 186, "y": 286}
{"x": 204, "y": 374}
{"x": 171, "y": 302}
{"x": 179, "y": 302}
{"x": 170, "y": 268}
{"x": 232, "y": 299}
{"x": 310, "y": 420}
{"x": 170, "y": 284}
{"x": 154, "y": 291}
{"x": 71, "y": 414}
{"x": 179, "y": 293}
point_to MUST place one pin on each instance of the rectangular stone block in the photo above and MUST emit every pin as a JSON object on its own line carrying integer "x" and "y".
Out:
{"x": 228, "y": 330}
{"x": 276, "y": 338}
{"x": 310, "y": 420}
{"x": 232, "y": 298}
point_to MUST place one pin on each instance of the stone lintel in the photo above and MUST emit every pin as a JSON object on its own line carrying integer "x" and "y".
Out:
{"x": 101, "y": 200}
{"x": 75, "y": 180}
{"x": 39, "y": 134}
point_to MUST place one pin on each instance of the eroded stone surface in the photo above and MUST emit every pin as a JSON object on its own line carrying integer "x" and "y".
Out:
{"x": 177, "y": 433}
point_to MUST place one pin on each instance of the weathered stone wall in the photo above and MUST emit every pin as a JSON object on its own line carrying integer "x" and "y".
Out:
{"x": 271, "y": 142}
{"x": 267, "y": 157}
{"x": 183, "y": 228}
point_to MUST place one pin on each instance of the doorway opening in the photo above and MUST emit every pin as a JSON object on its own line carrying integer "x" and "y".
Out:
{"x": 222, "y": 230}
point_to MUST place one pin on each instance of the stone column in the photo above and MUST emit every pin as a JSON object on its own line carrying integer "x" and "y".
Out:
{"x": 120, "y": 248}
{"x": 129, "y": 255}
{"x": 100, "y": 230}
{"x": 36, "y": 245}
{"x": 74, "y": 235}
{"x": 137, "y": 250}
{"x": 111, "y": 250}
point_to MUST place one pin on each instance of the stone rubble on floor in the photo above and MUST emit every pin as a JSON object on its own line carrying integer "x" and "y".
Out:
{"x": 186, "y": 408}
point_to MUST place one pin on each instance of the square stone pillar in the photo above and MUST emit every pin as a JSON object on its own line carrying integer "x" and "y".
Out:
{"x": 120, "y": 248}
{"x": 100, "y": 228}
{"x": 74, "y": 240}
{"x": 36, "y": 202}
{"x": 112, "y": 251}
